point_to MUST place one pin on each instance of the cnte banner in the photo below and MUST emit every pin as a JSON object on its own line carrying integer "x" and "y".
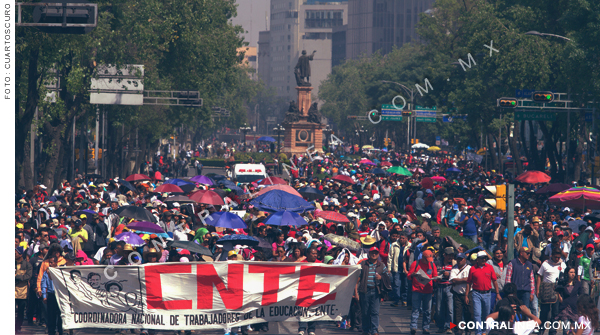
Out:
{"x": 185, "y": 296}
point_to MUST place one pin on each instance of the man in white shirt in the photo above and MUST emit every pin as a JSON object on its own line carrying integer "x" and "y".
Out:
{"x": 548, "y": 273}
{"x": 458, "y": 277}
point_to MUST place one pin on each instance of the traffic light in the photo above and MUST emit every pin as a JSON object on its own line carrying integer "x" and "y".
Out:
{"x": 412, "y": 141}
{"x": 374, "y": 114}
{"x": 499, "y": 200}
{"x": 76, "y": 14}
{"x": 406, "y": 113}
{"x": 543, "y": 96}
{"x": 351, "y": 117}
{"x": 386, "y": 142}
{"x": 507, "y": 102}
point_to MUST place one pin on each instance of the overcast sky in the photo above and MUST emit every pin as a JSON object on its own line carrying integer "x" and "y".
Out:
{"x": 251, "y": 16}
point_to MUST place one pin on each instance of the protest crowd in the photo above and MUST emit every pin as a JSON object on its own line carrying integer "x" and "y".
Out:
{"x": 417, "y": 224}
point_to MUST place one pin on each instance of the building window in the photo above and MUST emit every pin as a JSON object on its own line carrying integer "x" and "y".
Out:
{"x": 323, "y": 18}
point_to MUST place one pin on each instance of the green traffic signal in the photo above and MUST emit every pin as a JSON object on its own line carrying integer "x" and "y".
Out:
{"x": 543, "y": 96}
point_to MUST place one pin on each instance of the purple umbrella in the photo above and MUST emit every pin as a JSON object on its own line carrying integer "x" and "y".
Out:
{"x": 202, "y": 180}
{"x": 146, "y": 226}
{"x": 130, "y": 238}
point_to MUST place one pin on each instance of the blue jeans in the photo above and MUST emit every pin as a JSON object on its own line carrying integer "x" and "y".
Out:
{"x": 395, "y": 293}
{"x": 369, "y": 304}
{"x": 404, "y": 285}
{"x": 481, "y": 308}
{"x": 472, "y": 238}
{"x": 444, "y": 307}
{"x": 535, "y": 310}
{"x": 307, "y": 326}
{"x": 421, "y": 302}
{"x": 524, "y": 297}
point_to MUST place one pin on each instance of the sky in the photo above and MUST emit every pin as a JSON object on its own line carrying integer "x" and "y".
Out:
{"x": 251, "y": 16}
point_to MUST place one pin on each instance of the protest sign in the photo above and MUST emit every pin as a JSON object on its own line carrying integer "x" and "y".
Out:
{"x": 201, "y": 295}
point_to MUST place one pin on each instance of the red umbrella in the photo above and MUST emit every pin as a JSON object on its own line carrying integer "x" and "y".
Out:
{"x": 273, "y": 181}
{"x": 169, "y": 188}
{"x": 553, "y": 188}
{"x": 438, "y": 179}
{"x": 427, "y": 183}
{"x": 207, "y": 197}
{"x": 137, "y": 177}
{"x": 341, "y": 177}
{"x": 386, "y": 163}
{"x": 285, "y": 188}
{"x": 332, "y": 216}
{"x": 533, "y": 177}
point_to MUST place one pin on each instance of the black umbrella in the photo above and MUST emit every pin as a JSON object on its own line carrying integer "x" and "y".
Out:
{"x": 192, "y": 246}
{"x": 229, "y": 241}
{"x": 138, "y": 213}
{"x": 126, "y": 184}
{"x": 220, "y": 192}
{"x": 179, "y": 199}
{"x": 311, "y": 193}
{"x": 215, "y": 176}
{"x": 187, "y": 188}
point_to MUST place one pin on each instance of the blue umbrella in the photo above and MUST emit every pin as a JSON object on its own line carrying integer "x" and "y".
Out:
{"x": 178, "y": 182}
{"x": 225, "y": 220}
{"x": 266, "y": 139}
{"x": 379, "y": 172}
{"x": 226, "y": 183}
{"x": 311, "y": 193}
{"x": 229, "y": 241}
{"x": 452, "y": 169}
{"x": 277, "y": 200}
{"x": 285, "y": 218}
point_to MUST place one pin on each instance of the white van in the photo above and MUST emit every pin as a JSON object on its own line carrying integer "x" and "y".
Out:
{"x": 247, "y": 173}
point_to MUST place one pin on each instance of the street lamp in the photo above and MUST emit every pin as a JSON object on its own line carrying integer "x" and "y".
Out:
{"x": 412, "y": 98}
{"x": 244, "y": 129}
{"x": 361, "y": 131}
{"x": 279, "y": 129}
{"x": 328, "y": 131}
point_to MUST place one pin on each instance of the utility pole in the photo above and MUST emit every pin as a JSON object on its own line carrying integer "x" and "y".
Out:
{"x": 97, "y": 139}
{"x": 32, "y": 146}
{"x": 510, "y": 220}
{"x": 73, "y": 153}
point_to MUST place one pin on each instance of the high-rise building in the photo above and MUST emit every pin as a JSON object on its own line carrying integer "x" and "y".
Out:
{"x": 378, "y": 25}
{"x": 297, "y": 25}
{"x": 250, "y": 60}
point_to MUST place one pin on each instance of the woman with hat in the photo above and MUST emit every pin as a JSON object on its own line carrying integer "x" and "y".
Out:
{"x": 151, "y": 255}
{"x": 366, "y": 242}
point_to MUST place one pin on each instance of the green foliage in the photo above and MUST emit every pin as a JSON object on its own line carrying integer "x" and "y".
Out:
{"x": 445, "y": 231}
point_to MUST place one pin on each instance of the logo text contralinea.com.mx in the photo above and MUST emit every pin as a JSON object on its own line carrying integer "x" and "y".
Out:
{"x": 471, "y": 325}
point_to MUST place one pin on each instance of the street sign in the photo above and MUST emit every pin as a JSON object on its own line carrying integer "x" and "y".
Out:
{"x": 527, "y": 93}
{"x": 390, "y": 107}
{"x": 425, "y": 114}
{"x": 437, "y": 140}
{"x": 421, "y": 108}
{"x": 538, "y": 116}
{"x": 426, "y": 119}
{"x": 391, "y": 118}
{"x": 391, "y": 112}
{"x": 589, "y": 117}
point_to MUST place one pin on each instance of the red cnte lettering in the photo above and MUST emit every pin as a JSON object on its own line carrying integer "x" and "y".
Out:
{"x": 232, "y": 296}
{"x": 154, "y": 298}
{"x": 271, "y": 281}
{"x": 307, "y": 286}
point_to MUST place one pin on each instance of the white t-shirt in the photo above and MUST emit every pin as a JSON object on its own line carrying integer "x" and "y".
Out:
{"x": 456, "y": 273}
{"x": 550, "y": 271}
{"x": 587, "y": 330}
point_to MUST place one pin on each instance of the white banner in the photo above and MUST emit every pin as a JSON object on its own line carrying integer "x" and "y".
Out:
{"x": 200, "y": 295}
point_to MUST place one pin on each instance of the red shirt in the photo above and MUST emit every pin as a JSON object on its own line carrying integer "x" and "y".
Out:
{"x": 305, "y": 261}
{"x": 430, "y": 269}
{"x": 481, "y": 278}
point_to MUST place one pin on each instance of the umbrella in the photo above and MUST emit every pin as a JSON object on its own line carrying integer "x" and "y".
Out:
{"x": 460, "y": 201}
{"x": 229, "y": 241}
{"x": 266, "y": 139}
{"x": 553, "y": 188}
{"x": 226, "y": 182}
{"x": 434, "y": 148}
{"x": 135, "y": 212}
{"x": 278, "y": 200}
{"x": 225, "y": 220}
{"x": 332, "y": 216}
{"x": 427, "y": 183}
{"x": 365, "y": 161}
{"x": 533, "y": 177}
{"x": 138, "y": 177}
{"x": 420, "y": 146}
{"x": 285, "y": 218}
{"x": 221, "y": 192}
{"x": 386, "y": 163}
{"x": 146, "y": 226}
{"x": 215, "y": 176}
{"x": 344, "y": 242}
{"x": 285, "y": 188}
{"x": 88, "y": 213}
{"x": 127, "y": 184}
{"x": 419, "y": 170}
{"x": 379, "y": 172}
{"x": 341, "y": 177}
{"x": 367, "y": 147}
{"x": 272, "y": 181}
{"x": 202, "y": 180}
{"x": 169, "y": 188}
{"x": 179, "y": 199}
{"x": 400, "y": 170}
{"x": 178, "y": 182}
{"x": 579, "y": 197}
{"x": 207, "y": 197}
{"x": 311, "y": 193}
{"x": 438, "y": 179}
{"x": 452, "y": 169}
{"x": 575, "y": 224}
{"x": 130, "y": 238}
{"x": 348, "y": 159}
{"x": 191, "y": 246}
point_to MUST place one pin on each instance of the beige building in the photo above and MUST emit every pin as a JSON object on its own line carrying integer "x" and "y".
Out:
{"x": 380, "y": 24}
{"x": 297, "y": 25}
{"x": 250, "y": 60}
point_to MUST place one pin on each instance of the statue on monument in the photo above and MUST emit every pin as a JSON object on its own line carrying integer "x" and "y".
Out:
{"x": 302, "y": 69}
{"x": 313, "y": 114}
{"x": 293, "y": 113}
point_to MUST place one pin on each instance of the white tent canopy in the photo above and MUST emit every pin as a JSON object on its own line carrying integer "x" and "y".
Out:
{"x": 420, "y": 146}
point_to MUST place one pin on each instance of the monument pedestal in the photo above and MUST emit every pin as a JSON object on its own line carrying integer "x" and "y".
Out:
{"x": 304, "y": 98}
{"x": 302, "y": 135}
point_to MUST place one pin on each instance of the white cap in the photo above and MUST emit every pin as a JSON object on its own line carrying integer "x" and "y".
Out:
{"x": 566, "y": 209}
{"x": 481, "y": 254}
{"x": 366, "y": 197}
{"x": 517, "y": 205}
{"x": 43, "y": 187}
{"x": 175, "y": 204}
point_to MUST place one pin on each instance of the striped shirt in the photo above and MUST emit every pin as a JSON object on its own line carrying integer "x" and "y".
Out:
{"x": 371, "y": 278}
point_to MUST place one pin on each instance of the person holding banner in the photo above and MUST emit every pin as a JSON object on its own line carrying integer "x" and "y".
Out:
{"x": 311, "y": 257}
{"x": 368, "y": 292}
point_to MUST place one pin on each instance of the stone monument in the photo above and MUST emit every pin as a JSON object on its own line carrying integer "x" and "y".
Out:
{"x": 303, "y": 127}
